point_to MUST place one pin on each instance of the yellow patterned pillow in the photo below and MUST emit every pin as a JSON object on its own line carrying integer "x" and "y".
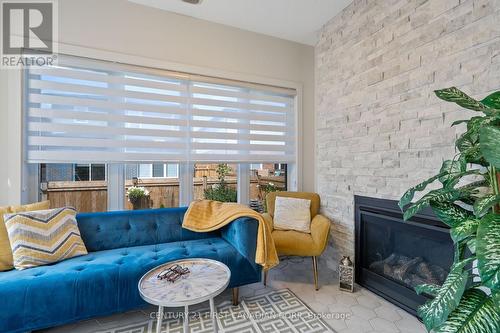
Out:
{"x": 43, "y": 237}
{"x": 6, "y": 260}
{"x": 30, "y": 207}
{"x": 5, "y": 250}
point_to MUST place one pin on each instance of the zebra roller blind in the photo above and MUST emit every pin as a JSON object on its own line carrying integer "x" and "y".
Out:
{"x": 94, "y": 111}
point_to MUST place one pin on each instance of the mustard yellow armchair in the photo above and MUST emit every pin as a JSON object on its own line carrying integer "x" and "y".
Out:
{"x": 295, "y": 243}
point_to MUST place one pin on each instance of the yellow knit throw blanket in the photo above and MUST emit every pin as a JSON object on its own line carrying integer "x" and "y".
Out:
{"x": 208, "y": 215}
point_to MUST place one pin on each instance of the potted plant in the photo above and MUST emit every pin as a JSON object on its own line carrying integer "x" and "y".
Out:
{"x": 221, "y": 191}
{"x": 138, "y": 197}
{"x": 467, "y": 201}
{"x": 264, "y": 190}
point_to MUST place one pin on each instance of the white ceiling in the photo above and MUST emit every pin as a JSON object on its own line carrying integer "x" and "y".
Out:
{"x": 295, "y": 20}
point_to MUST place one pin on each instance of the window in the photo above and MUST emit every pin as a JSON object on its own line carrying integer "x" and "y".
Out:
{"x": 88, "y": 172}
{"x": 82, "y": 172}
{"x": 156, "y": 125}
{"x": 159, "y": 170}
{"x": 145, "y": 170}
{"x": 215, "y": 182}
{"x": 160, "y": 180}
{"x": 154, "y": 170}
{"x": 82, "y": 186}
{"x": 238, "y": 124}
{"x": 265, "y": 178}
{"x": 172, "y": 170}
{"x": 97, "y": 172}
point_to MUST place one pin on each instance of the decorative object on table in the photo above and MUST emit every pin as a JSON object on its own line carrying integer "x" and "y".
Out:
{"x": 221, "y": 191}
{"x": 236, "y": 319}
{"x": 208, "y": 278}
{"x": 173, "y": 273}
{"x": 467, "y": 202}
{"x": 256, "y": 205}
{"x": 138, "y": 197}
{"x": 346, "y": 274}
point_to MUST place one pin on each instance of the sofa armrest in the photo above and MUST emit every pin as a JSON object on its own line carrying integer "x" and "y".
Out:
{"x": 320, "y": 230}
{"x": 242, "y": 235}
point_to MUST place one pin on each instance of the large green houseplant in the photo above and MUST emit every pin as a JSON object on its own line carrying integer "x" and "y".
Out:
{"x": 467, "y": 200}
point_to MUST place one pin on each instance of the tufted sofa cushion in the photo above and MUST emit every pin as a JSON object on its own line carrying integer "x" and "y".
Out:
{"x": 101, "y": 283}
{"x": 112, "y": 230}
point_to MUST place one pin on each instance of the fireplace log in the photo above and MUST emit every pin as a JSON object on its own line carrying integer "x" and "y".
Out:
{"x": 410, "y": 271}
{"x": 406, "y": 267}
{"x": 383, "y": 266}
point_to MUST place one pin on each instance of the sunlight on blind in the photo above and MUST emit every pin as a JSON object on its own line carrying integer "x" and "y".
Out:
{"x": 87, "y": 113}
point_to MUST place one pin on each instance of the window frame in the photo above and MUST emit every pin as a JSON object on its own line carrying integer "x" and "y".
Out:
{"x": 30, "y": 187}
{"x": 89, "y": 166}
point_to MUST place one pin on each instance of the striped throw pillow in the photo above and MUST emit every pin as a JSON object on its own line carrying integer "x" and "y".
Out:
{"x": 6, "y": 260}
{"x": 44, "y": 237}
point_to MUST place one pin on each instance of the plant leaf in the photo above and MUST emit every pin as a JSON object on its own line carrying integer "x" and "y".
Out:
{"x": 471, "y": 244}
{"x": 464, "y": 229}
{"x": 482, "y": 205}
{"x": 408, "y": 196}
{"x": 475, "y": 314}
{"x": 455, "y": 95}
{"x": 496, "y": 299}
{"x": 471, "y": 187}
{"x": 453, "y": 179}
{"x": 474, "y": 124}
{"x": 430, "y": 289}
{"x": 465, "y": 142}
{"x": 488, "y": 250}
{"x": 468, "y": 142}
{"x": 435, "y": 312}
{"x": 450, "y": 213}
{"x": 490, "y": 144}
{"x": 492, "y": 101}
{"x": 450, "y": 169}
{"x": 458, "y": 122}
{"x": 440, "y": 195}
{"x": 473, "y": 155}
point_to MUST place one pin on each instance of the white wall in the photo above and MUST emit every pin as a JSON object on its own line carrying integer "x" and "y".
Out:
{"x": 3, "y": 137}
{"x": 10, "y": 137}
{"x": 127, "y": 28}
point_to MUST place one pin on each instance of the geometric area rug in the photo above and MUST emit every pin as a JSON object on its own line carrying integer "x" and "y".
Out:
{"x": 275, "y": 311}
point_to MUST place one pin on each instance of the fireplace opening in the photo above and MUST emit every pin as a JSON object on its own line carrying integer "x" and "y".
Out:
{"x": 394, "y": 256}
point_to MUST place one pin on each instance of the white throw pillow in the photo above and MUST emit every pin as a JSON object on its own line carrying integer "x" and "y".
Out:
{"x": 292, "y": 214}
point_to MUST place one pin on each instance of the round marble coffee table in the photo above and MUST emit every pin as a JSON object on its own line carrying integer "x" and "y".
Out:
{"x": 207, "y": 279}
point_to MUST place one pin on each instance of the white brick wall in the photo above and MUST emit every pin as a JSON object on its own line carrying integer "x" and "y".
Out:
{"x": 379, "y": 127}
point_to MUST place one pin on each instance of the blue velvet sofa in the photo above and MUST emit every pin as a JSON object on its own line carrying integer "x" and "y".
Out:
{"x": 122, "y": 247}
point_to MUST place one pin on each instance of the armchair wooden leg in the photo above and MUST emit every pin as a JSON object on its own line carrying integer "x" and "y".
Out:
{"x": 236, "y": 300}
{"x": 265, "y": 278}
{"x": 315, "y": 269}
